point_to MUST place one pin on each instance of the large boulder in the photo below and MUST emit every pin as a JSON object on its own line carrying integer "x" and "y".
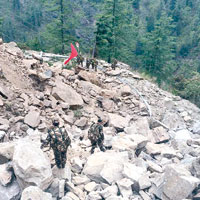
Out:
{"x": 177, "y": 183}
{"x": 32, "y": 118}
{"x": 105, "y": 167}
{"x": 67, "y": 94}
{"x": 118, "y": 121}
{"x": 91, "y": 77}
{"x": 35, "y": 193}
{"x": 30, "y": 165}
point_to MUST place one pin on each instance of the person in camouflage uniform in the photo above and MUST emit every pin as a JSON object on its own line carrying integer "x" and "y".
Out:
{"x": 94, "y": 63}
{"x": 96, "y": 136}
{"x": 114, "y": 64}
{"x": 59, "y": 141}
{"x": 88, "y": 63}
{"x": 80, "y": 60}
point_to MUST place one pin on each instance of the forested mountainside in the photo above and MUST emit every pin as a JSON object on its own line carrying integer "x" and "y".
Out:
{"x": 159, "y": 37}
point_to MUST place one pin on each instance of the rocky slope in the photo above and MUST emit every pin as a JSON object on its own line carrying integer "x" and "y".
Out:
{"x": 152, "y": 137}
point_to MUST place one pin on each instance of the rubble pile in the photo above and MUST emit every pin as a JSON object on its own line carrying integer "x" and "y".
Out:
{"x": 152, "y": 137}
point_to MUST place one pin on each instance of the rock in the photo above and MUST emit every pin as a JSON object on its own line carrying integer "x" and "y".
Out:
{"x": 125, "y": 91}
{"x": 77, "y": 164}
{"x": 1, "y": 102}
{"x": 141, "y": 126}
{"x": 1, "y": 41}
{"x": 12, "y": 48}
{"x": 182, "y": 135}
{"x": 196, "y": 128}
{"x": 153, "y": 167}
{"x": 92, "y": 186}
{"x": 144, "y": 182}
{"x": 71, "y": 195}
{"x": 118, "y": 121}
{"x": 109, "y": 191}
{"x": 32, "y": 119}
{"x": 6, "y": 151}
{"x": 67, "y": 94}
{"x": 62, "y": 173}
{"x": 113, "y": 197}
{"x": 133, "y": 172}
{"x": 4, "y": 92}
{"x": 108, "y": 105}
{"x": 168, "y": 152}
{"x": 144, "y": 195}
{"x": 10, "y": 192}
{"x": 30, "y": 165}
{"x": 179, "y": 178}
{"x": 111, "y": 172}
{"x": 173, "y": 121}
{"x": 94, "y": 196}
{"x": 196, "y": 167}
{"x": 79, "y": 180}
{"x": 125, "y": 187}
{"x": 153, "y": 149}
{"x": 160, "y": 135}
{"x": 5, "y": 175}
{"x": 35, "y": 193}
{"x": 2, "y": 134}
{"x": 81, "y": 122}
{"x": 91, "y": 77}
{"x": 97, "y": 166}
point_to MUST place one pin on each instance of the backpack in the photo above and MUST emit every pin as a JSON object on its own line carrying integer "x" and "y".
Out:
{"x": 94, "y": 133}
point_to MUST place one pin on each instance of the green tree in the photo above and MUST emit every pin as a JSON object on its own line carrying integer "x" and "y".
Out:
{"x": 158, "y": 48}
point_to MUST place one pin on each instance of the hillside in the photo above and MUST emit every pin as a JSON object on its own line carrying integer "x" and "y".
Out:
{"x": 152, "y": 137}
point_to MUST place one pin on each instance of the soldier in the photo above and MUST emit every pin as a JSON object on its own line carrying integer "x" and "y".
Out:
{"x": 88, "y": 63}
{"x": 96, "y": 136}
{"x": 59, "y": 141}
{"x": 114, "y": 64}
{"x": 81, "y": 60}
{"x": 94, "y": 63}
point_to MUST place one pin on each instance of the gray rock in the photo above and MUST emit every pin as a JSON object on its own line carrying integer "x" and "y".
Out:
{"x": 196, "y": 128}
{"x": 144, "y": 182}
{"x": 118, "y": 121}
{"x": 160, "y": 135}
{"x": 133, "y": 172}
{"x": 32, "y": 119}
{"x": 5, "y": 174}
{"x": 81, "y": 179}
{"x": 61, "y": 188}
{"x": 98, "y": 164}
{"x": 33, "y": 192}
{"x": 10, "y": 192}
{"x": 195, "y": 170}
{"x": 93, "y": 196}
{"x": 183, "y": 134}
{"x": 71, "y": 196}
{"x": 179, "y": 178}
{"x": 67, "y": 94}
{"x": 77, "y": 164}
{"x": 30, "y": 165}
{"x": 109, "y": 191}
{"x": 92, "y": 186}
{"x": 125, "y": 187}
{"x": 153, "y": 167}
{"x": 2, "y": 134}
{"x": 6, "y": 151}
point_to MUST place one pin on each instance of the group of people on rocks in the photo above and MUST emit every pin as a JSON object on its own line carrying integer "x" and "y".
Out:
{"x": 59, "y": 140}
{"x": 93, "y": 62}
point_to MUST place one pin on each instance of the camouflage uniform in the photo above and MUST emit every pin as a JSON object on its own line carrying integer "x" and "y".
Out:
{"x": 114, "y": 64}
{"x": 59, "y": 141}
{"x": 96, "y": 136}
{"x": 80, "y": 60}
{"x": 88, "y": 63}
{"x": 94, "y": 63}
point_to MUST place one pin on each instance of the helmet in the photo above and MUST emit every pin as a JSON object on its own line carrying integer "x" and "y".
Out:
{"x": 55, "y": 121}
{"x": 99, "y": 120}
